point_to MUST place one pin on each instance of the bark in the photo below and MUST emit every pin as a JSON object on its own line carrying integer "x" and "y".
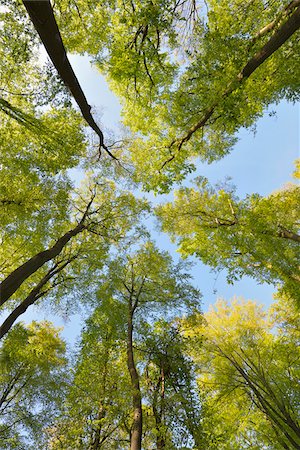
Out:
{"x": 32, "y": 297}
{"x": 159, "y": 414}
{"x": 42, "y": 17}
{"x": 24, "y": 119}
{"x": 14, "y": 280}
{"x": 10, "y": 387}
{"x": 275, "y": 42}
{"x": 270, "y": 27}
{"x": 137, "y": 426}
{"x": 97, "y": 438}
{"x": 286, "y": 234}
{"x": 280, "y": 36}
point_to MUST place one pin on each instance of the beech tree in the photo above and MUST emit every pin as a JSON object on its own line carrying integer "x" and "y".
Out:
{"x": 247, "y": 367}
{"x": 96, "y": 411}
{"x": 174, "y": 414}
{"x": 237, "y": 59}
{"x": 104, "y": 220}
{"x": 33, "y": 379}
{"x": 119, "y": 334}
{"x": 189, "y": 75}
{"x": 257, "y": 236}
{"x": 145, "y": 281}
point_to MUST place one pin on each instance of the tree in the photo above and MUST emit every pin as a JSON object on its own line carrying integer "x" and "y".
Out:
{"x": 107, "y": 215}
{"x": 33, "y": 378}
{"x": 96, "y": 411}
{"x": 189, "y": 77}
{"x": 142, "y": 282}
{"x": 168, "y": 385}
{"x": 257, "y": 236}
{"x": 248, "y": 367}
{"x": 118, "y": 335}
{"x": 237, "y": 59}
{"x": 42, "y": 17}
{"x": 36, "y": 114}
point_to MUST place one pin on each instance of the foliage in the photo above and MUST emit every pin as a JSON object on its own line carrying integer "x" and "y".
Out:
{"x": 247, "y": 372}
{"x": 173, "y": 415}
{"x": 179, "y": 69}
{"x": 257, "y": 236}
{"x": 33, "y": 379}
{"x": 99, "y": 414}
{"x": 154, "y": 278}
{"x": 96, "y": 409}
{"x": 189, "y": 75}
{"x": 106, "y": 216}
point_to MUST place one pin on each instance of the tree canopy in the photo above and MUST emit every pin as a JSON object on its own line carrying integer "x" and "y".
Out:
{"x": 190, "y": 74}
{"x": 150, "y": 369}
{"x": 256, "y": 236}
{"x": 247, "y": 373}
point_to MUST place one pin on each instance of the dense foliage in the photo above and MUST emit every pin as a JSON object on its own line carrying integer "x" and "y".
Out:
{"x": 150, "y": 369}
{"x": 256, "y": 236}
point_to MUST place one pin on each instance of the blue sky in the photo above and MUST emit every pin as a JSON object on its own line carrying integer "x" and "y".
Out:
{"x": 260, "y": 162}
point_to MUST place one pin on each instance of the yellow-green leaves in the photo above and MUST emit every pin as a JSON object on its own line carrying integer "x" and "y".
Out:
{"x": 246, "y": 372}
{"x": 178, "y": 70}
{"x": 32, "y": 378}
{"x": 257, "y": 236}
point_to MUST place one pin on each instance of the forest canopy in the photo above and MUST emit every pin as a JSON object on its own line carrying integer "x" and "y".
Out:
{"x": 150, "y": 369}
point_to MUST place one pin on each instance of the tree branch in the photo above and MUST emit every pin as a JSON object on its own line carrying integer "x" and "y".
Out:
{"x": 42, "y": 17}
{"x": 280, "y": 36}
{"x": 16, "y": 278}
{"x": 32, "y": 297}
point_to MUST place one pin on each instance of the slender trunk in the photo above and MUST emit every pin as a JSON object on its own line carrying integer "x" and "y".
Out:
{"x": 31, "y": 298}
{"x": 159, "y": 415}
{"x": 137, "y": 425}
{"x": 10, "y": 387}
{"x": 276, "y": 413}
{"x": 97, "y": 439}
{"x": 14, "y": 280}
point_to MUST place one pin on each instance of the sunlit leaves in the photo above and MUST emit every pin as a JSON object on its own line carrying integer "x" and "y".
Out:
{"x": 32, "y": 379}
{"x": 246, "y": 372}
{"x": 246, "y": 237}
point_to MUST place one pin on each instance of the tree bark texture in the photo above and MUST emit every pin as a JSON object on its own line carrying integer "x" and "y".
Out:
{"x": 31, "y": 298}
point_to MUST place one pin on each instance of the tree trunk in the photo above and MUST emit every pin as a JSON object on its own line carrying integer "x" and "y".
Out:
{"x": 31, "y": 298}
{"x": 276, "y": 412}
{"x": 14, "y": 280}
{"x": 275, "y": 42}
{"x": 96, "y": 445}
{"x": 287, "y": 234}
{"x": 137, "y": 426}
{"x": 159, "y": 412}
{"x": 42, "y": 17}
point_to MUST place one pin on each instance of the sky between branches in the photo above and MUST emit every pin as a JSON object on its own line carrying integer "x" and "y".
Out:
{"x": 261, "y": 162}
